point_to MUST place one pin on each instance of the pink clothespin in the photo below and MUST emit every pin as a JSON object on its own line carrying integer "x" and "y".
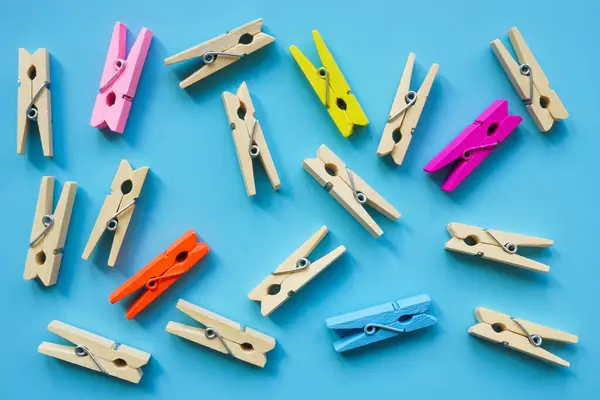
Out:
{"x": 475, "y": 143}
{"x": 120, "y": 79}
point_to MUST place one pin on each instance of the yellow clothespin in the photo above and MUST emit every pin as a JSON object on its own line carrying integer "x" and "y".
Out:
{"x": 248, "y": 138}
{"x": 223, "y": 335}
{"x": 529, "y": 81}
{"x": 518, "y": 334}
{"x": 34, "y": 99}
{"x": 96, "y": 353}
{"x": 405, "y": 113}
{"x": 293, "y": 274}
{"x": 49, "y": 232}
{"x": 495, "y": 245}
{"x": 117, "y": 209}
{"x": 349, "y": 189}
{"x": 331, "y": 87}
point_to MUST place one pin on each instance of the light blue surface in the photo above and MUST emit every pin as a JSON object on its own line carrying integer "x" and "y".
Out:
{"x": 537, "y": 184}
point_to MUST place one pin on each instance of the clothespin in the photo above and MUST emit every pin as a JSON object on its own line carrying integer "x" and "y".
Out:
{"x": 293, "y": 274}
{"x": 374, "y": 324}
{"x": 117, "y": 210}
{"x": 530, "y": 82}
{"x": 96, "y": 353}
{"x": 474, "y": 143}
{"x": 223, "y": 50}
{"x": 348, "y": 189}
{"x": 49, "y": 232}
{"x": 159, "y": 274}
{"x": 248, "y": 137}
{"x": 232, "y": 339}
{"x": 331, "y": 87}
{"x": 34, "y": 99}
{"x": 495, "y": 245}
{"x": 405, "y": 113}
{"x": 120, "y": 79}
{"x": 518, "y": 334}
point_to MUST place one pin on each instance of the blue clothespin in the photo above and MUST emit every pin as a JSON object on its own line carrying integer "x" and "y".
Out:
{"x": 378, "y": 323}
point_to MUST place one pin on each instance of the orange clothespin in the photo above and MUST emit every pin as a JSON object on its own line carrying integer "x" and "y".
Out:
{"x": 159, "y": 274}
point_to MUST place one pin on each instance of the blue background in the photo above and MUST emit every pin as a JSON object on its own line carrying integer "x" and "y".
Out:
{"x": 535, "y": 183}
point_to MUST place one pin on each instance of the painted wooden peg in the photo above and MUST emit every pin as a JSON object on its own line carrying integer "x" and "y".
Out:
{"x": 349, "y": 189}
{"x": 223, "y": 335}
{"x": 117, "y": 210}
{"x": 34, "y": 103}
{"x": 248, "y": 138}
{"x": 49, "y": 232}
{"x": 293, "y": 274}
{"x": 96, "y": 353}
{"x": 223, "y": 50}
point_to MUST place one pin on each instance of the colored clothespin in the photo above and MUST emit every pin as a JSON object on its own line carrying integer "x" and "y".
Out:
{"x": 331, "y": 87}
{"x": 348, "y": 189}
{"x": 49, "y": 232}
{"x": 293, "y": 274}
{"x": 530, "y": 82}
{"x": 223, "y": 335}
{"x": 474, "y": 143}
{"x": 495, "y": 245}
{"x": 248, "y": 138}
{"x": 117, "y": 210}
{"x": 159, "y": 274}
{"x": 34, "y": 103}
{"x": 223, "y": 50}
{"x": 405, "y": 113}
{"x": 374, "y": 324}
{"x": 96, "y": 353}
{"x": 120, "y": 79}
{"x": 518, "y": 334}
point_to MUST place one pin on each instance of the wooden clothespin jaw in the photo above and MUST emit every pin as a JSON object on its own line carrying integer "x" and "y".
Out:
{"x": 518, "y": 334}
{"x": 495, "y": 245}
{"x": 159, "y": 274}
{"x": 530, "y": 82}
{"x": 49, "y": 232}
{"x": 349, "y": 189}
{"x": 405, "y": 113}
{"x": 248, "y": 138}
{"x": 223, "y": 335}
{"x": 117, "y": 209}
{"x": 374, "y": 324}
{"x": 34, "y": 99}
{"x": 223, "y": 50}
{"x": 293, "y": 274}
{"x": 331, "y": 87}
{"x": 120, "y": 79}
{"x": 96, "y": 353}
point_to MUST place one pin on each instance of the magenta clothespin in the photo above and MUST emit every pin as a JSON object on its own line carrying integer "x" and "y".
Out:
{"x": 475, "y": 143}
{"x": 120, "y": 79}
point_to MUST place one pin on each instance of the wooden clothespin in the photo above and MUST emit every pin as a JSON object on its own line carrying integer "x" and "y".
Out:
{"x": 120, "y": 79}
{"x": 233, "y": 339}
{"x": 49, "y": 232}
{"x": 518, "y": 334}
{"x": 160, "y": 273}
{"x": 530, "y": 82}
{"x": 34, "y": 99}
{"x": 331, "y": 87}
{"x": 223, "y": 50}
{"x": 96, "y": 353}
{"x": 248, "y": 138}
{"x": 374, "y": 324}
{"x": 495, "y": 245}
{"x": 293, "y": 274}
{"x": 348, "y": 189}
{"x": 117, "y": 210}
{"x": 405, "y": 113}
